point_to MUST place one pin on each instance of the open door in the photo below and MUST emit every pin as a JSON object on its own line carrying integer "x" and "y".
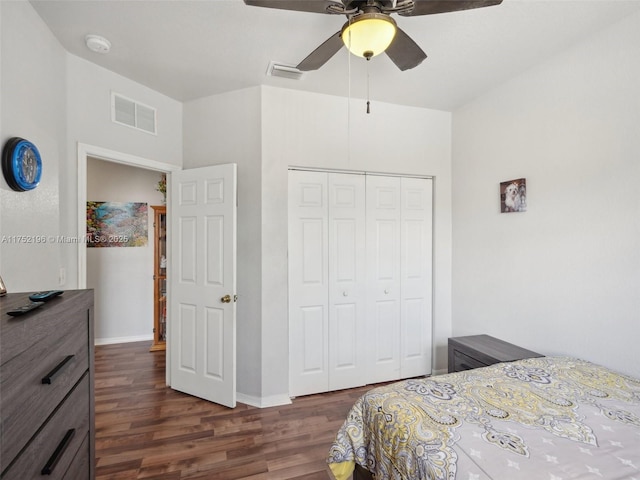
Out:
{"x": 202, "y": 283}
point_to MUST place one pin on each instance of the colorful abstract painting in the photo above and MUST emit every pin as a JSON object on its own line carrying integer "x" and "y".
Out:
{"x": 113, "y": 224}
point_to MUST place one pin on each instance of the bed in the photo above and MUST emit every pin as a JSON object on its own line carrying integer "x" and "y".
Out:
{"x": 548, "y": 418}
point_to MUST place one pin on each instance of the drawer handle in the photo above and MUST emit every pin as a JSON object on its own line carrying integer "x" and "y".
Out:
{"x": 57, "y": 454}
{"x": 49, "y": 377}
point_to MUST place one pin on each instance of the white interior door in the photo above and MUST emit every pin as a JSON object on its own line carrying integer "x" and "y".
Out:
{"x": 347, "y": 281}
{"x": 416, "y": 277}
{"x": 202, "y": 283}
{"x": 383, "y": 262}
{"x": 308, "y": 283}
{"x": 360, "y": 282}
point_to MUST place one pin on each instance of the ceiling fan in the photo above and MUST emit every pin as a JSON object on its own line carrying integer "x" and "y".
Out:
{"x": 370, "y": 30}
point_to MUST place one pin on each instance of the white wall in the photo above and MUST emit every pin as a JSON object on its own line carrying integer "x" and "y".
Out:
{"x": 303, "y": 129}
{"x": 56, "y": 100}
{"x": 122, "y": 278}
{"x": 33, "y": 107}
{"x": 226, "y": 129}
{"x": 88, "y": 120}
{"x": 564, "y": 277}
{"x": 265, "y": 130}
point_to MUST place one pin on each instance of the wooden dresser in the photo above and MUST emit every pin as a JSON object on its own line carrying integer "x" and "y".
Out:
{"x": 476, "y": 351}
{"x": 46, "y": 388}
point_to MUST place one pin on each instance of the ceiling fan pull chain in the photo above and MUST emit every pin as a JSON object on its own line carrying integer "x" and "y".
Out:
{"x": 368, "y": 94}
{"x": 349, "y": 103}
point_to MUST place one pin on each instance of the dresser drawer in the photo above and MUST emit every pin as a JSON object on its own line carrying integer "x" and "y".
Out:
{"x": 60, "y": 356}
{"x": 80, "y": 465}
{"x": 465, "y": 362}
{"x": 59, "y": 442}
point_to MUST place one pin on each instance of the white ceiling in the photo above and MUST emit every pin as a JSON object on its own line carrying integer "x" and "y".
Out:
{"x": 190, "y": 49}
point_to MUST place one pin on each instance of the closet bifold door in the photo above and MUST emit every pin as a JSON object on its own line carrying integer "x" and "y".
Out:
{"x": 399, "y": 263}
{"x": 308, "y": 283}
{"x": 327, "y": 282}
{"x": 416, "y": 236}
{"x": 360, "y": 281}
{"x": 347, "y": 281}
{"x": 383, "y": 272}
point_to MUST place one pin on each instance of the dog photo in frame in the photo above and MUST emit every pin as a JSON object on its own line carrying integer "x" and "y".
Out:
{"x": 513, "y": 196}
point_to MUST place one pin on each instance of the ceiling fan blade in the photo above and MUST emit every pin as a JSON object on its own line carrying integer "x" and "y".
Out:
{"x": 314, "y": 6}
{"x": 429, "y": 7}
{"x": 322, "y": 54}
{"x": 404, "y": 52}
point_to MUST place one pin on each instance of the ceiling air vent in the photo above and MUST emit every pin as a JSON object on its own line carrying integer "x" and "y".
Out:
{"x": 284, "y": 71}
{"x": 133, "y": 114}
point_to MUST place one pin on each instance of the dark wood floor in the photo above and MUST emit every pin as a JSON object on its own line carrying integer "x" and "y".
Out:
{"x": 146, "y": 430}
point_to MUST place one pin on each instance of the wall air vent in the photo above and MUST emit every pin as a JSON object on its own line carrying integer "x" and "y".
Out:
{"x": 284, "y": 71}
{"x": 133, "y": 114}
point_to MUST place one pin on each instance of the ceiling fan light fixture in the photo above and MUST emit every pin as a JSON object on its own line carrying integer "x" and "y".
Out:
{"x": 369, "y": 34}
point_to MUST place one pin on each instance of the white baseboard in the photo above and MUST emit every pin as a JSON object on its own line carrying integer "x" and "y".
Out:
{"x": 112, "y": 340}
{"x": 263, "y": 402}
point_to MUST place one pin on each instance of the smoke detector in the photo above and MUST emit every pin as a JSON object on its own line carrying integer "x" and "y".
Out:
{"x": 97, "y": 44}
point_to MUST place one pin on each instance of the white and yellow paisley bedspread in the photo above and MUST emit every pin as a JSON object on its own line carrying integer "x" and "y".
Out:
{"x": 546, "y": 418}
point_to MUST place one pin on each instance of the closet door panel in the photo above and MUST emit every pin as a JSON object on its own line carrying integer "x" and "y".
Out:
{"x": 360, "y": 279}
{"x": 416, "y": 277}
{"x": 343, "y": 346}
{"x": 383, "y": 264}
{"x": 311, "y": 324}
{"x": 386, "y": 346}
{"x": 308, "y": 282}
{"x": 347, "y": 281}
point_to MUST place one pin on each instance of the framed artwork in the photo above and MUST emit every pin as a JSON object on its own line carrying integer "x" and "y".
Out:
{"x": 114, "y": 224}
{"x": 513, "y": 196}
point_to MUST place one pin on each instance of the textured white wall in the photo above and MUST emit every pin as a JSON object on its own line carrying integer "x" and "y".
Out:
{"x": 33, "y": 107}
{"x": 88, "y": 121}
{"x": 57, "y": 100}
{"x": 564, "y": 277}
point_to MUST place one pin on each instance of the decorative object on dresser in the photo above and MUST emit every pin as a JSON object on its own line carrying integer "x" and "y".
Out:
{"x": 47, "y": 382}
{"x": 159, "y": 277}
{"x": 476, "y": 351}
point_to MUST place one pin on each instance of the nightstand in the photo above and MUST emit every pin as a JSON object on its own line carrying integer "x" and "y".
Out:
{"x": 477, "y": 351}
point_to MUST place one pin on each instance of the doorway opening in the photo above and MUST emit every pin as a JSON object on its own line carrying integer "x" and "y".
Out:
{"x": 85, "y": 153}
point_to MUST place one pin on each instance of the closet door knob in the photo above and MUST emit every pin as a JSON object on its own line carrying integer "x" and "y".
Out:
{"x": 345, "y": 294}
{"x": 226, "y": 299}
{"x": 386, "y": 291}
